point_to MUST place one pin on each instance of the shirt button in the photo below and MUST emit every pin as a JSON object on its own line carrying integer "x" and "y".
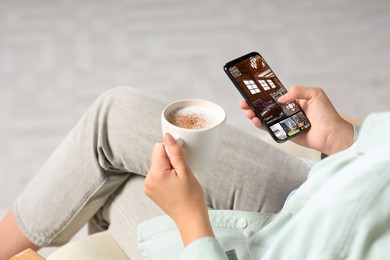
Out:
{"x": 242, "y": 223}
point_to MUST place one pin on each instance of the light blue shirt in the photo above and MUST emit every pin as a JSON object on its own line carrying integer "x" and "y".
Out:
{"x": 341, "y": 212}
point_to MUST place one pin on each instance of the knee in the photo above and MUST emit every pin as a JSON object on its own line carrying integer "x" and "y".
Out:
{"x": 127, "y": 102}
{"x": 117, "y": 94}
{"x": 120, "y": 99}
{"x": 129, "y": 97}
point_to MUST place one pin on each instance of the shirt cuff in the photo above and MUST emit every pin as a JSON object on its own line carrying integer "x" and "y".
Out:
{"x": 204, "y": 248}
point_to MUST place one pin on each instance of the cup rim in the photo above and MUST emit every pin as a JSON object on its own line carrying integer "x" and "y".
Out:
{"x": 176, "y": 104}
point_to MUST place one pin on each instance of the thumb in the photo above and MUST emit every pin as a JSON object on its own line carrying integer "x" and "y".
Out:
{"x": 175, "y": 153}
{"x": 296, "y": 92}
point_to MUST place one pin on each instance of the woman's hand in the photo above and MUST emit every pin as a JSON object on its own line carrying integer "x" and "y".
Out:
{"x": 329, "y": 132}
{"x": 171, "y": 184}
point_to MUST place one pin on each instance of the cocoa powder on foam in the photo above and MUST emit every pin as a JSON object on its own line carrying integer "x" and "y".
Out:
{"x": 189, "y": 118}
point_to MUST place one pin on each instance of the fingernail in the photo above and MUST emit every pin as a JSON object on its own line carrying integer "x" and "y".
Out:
{"x": 168, "y": 139}
{"x": 179, "y": 141}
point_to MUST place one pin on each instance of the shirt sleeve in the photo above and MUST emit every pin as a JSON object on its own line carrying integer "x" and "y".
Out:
{"x": 204, "y": 248}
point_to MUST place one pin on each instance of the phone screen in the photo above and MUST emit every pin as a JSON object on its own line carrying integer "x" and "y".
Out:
{"x": 261, "y": 89}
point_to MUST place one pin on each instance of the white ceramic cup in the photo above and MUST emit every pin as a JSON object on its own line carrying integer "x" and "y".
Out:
{"x": 200, "y": 145}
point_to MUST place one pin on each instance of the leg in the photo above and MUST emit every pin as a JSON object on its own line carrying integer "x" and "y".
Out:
{"x": 112, "y": 141}
{"x": 251, "y": 175}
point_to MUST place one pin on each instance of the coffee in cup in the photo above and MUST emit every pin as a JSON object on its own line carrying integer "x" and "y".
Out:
{"x": 192, "y": 117}
{"x": 198, "y": 126}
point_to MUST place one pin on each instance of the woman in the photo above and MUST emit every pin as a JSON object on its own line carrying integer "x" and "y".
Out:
{"x": 96, "y": 175}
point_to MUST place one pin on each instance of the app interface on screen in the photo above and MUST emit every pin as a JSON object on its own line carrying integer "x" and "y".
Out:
{"x": 263, "y": 89}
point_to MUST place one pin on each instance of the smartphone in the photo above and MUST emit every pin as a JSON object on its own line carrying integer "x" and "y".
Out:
{"x": 261, "y": 89}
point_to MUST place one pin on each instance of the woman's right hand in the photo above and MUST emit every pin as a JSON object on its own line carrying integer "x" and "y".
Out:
{"x": 171, "y": 184}
{"x": 329, "y": 132}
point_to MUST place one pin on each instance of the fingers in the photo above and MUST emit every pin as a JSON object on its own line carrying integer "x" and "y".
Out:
{"x": 251, "y": 114}
{"x": 176, "y": 154}
{"x": 293, "y": 94}
{"x": 299, "y": 92}
{"x": 160, "y": 161}
{"x": 244, "y": 105}
{"x": 159, "y": 169}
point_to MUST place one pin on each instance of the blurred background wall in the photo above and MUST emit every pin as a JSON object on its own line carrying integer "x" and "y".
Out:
{"x": 57, "y": 56}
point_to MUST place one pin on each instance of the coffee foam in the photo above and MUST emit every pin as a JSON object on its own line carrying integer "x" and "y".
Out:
{"x": 192, "y": 117}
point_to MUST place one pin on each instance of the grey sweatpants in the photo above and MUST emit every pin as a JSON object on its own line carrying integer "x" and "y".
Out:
{"x": 96, "y": 174}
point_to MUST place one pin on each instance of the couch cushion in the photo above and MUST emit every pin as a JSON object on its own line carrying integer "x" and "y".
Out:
{"x": 94, "y": 247}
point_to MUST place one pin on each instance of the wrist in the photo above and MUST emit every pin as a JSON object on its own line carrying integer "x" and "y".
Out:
{"x": 194, "y": 226}
{"x": 339, "y": 139}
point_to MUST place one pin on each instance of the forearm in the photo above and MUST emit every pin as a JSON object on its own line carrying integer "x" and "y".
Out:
{"x": 199, "y": 239}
